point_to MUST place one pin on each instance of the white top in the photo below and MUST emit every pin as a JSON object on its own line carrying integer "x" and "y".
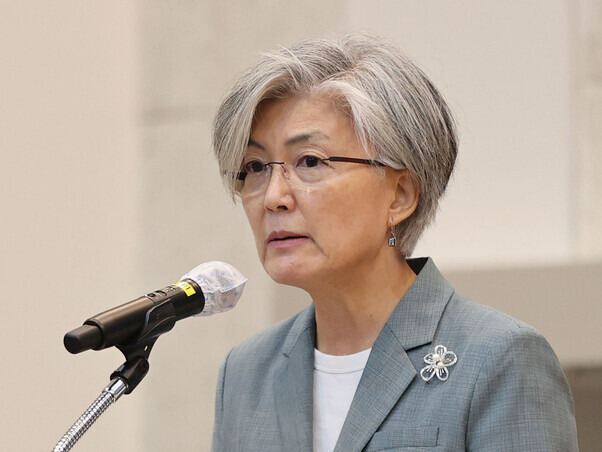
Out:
{"x": 335, "y": 381}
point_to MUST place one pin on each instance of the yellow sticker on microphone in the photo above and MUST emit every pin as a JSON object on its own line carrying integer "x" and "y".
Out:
{"x": 187, "y": 288}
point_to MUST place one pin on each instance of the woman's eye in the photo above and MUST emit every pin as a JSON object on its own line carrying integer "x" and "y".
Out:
{"x": 309, "y": 161}
{"x": 254, "y": 166}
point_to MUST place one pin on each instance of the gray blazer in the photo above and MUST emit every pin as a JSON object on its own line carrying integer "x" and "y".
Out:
{"x": 506, "y": 392}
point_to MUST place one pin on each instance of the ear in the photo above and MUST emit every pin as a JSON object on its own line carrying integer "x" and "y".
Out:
{"x": 407, "y": 194}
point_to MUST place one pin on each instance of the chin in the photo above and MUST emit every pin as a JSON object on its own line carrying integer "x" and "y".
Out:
{"x": 289, "y": 273}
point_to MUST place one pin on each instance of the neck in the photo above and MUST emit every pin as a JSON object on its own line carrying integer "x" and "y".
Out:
{"x": 351, "y": 312}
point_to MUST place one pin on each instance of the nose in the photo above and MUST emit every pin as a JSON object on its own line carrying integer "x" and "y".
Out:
{"x": 279, "y": 195}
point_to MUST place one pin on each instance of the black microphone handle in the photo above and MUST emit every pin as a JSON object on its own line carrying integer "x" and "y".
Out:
{"x": 123, "y": 324}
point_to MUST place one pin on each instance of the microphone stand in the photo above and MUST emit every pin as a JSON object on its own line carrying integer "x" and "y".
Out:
{"x": 109, "y": 395}
{"x": 124, "y": 379}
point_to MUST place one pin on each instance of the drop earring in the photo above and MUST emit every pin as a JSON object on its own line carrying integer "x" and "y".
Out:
{"x": 392, "y": 239}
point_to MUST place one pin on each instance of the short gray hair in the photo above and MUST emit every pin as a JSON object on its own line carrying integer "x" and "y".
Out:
{"x": 396, "y": 110}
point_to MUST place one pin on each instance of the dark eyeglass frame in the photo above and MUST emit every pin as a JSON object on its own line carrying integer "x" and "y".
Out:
{"x": 243, "y": 174}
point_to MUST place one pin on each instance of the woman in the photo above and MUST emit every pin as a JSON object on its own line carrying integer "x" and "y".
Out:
{"x": 340, "y": 152}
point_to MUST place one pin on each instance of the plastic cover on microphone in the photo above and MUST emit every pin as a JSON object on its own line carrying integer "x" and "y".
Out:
{"x": 221, "y": 284}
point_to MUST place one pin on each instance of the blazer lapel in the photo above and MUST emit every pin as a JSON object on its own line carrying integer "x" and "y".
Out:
{"x": 386, "y": 376}
{"x": 293, "y": 390}
{"x": 389, "y": 370}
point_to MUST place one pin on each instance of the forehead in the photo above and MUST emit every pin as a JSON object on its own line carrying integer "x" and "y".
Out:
{"x": 298, "y": 118}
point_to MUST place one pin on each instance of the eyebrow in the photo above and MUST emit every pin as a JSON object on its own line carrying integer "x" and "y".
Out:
{"x": 296, "y": 139}
{"x": 304, "y": 137}
{"x": 255, "y": 144}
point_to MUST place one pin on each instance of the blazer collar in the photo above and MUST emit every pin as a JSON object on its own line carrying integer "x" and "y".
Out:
{"x": 293, "y": 390}
{"x": 415, "y": 319}
{"x": 304, "y": 326}
{"x": 388, "y": 371}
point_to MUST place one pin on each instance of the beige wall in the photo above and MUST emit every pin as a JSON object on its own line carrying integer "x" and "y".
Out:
{"x": 69, "y": 201}
{"x": 109, "y": 189}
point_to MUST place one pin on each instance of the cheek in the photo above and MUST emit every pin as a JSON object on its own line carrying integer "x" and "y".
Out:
{"x": 348, "y": 212}
{"x": 254, "y": 218}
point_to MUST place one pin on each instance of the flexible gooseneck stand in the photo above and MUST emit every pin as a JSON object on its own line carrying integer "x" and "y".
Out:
{"x": 123, "y": 380}
{"x": 109, "y": 395}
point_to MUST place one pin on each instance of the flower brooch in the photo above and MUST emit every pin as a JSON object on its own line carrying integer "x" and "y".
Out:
{"x": 437, "y": 363}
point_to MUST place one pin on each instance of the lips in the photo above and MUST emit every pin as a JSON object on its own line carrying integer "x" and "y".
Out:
{"x": 280, "y": 236}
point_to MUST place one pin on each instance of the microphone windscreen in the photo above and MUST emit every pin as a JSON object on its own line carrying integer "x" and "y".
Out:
{"x": 221, "y": 283}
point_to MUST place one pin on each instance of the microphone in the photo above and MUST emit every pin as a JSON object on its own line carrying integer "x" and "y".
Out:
{"x": 210, "y": 288}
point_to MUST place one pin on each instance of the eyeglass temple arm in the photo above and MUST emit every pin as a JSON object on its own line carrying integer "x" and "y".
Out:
{"x": 356, "y": 160}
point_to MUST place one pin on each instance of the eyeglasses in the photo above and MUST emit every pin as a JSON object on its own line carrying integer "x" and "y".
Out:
{"x": 307, "y": 170}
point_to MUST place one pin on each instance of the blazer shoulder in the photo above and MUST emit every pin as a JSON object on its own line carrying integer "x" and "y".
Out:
{"x": 484, "y": 336}
{"x": 480, "y": 322}
{"x": 517, "y": 380}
